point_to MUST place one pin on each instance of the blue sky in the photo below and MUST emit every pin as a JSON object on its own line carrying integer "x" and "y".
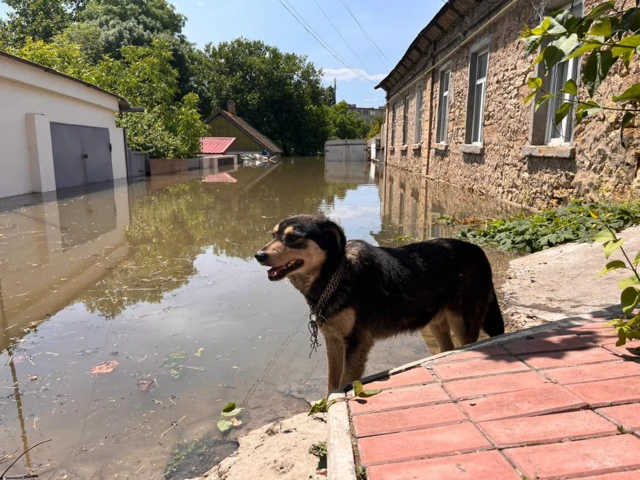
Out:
{"x": 391, "y": 24}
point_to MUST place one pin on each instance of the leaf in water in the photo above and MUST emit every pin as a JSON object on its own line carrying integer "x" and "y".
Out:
{"x": 612, "y": 246}
{"x": 199, "y": 352}
{"x": 224, "y": 425}
{"x": 175, "y": 373}
{"x": 105, "y": 367}
{"x": 172, "y": 358}
{"x": 235, "y": 422}
{"x": 229, "y": 407}
{"x": 144, "y": 384}
{"x": 232, "y": 413}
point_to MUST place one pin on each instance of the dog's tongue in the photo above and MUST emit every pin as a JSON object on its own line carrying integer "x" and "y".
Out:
{"x": 272, "y": 272}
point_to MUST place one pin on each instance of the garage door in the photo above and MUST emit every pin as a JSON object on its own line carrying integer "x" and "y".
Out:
{"x": 81, "y": 154}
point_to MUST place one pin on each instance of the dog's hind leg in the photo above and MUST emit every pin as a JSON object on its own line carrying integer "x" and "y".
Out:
{"x": 466, "y": 332}
{"x": 335, "y": 360}
{"x": 355, "y": 358}
{"x": 439, "y": 327}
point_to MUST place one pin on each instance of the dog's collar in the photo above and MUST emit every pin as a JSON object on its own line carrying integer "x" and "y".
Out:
{"x": 316, "y": 318}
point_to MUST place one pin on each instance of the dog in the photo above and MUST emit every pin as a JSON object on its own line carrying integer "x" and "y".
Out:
{"x": 377, "y": 292}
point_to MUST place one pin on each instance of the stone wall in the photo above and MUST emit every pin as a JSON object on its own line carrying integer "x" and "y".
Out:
{"x": 595, "y": 163}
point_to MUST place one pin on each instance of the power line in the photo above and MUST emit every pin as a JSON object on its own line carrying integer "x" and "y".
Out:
{"x": 319, "y": 39}
{"x": 343, "y": 39}
{"x": 388, "y": 63}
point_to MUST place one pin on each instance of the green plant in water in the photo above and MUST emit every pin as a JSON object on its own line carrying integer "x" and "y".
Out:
{"x": 228, "y": 417}
{"x": 627, "y": 327}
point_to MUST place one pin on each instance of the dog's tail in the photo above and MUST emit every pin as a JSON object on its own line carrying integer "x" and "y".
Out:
{"x": 493, "y": 322}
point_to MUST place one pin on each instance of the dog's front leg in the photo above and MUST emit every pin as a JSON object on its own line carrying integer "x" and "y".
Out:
{"x": 335, "y": 360}
{"x": 355, "y": 358}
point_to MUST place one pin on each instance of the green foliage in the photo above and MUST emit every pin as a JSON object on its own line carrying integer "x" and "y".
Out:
{"x": 627, "y": 327}
{"x": 345, "y": 124}
{"x": 321, "y": 406}
{"x": 360, "y": 392}
{"x": 319, "y": 450}
{"x": 63, "y": 56}
{"x": 376, "y": 126}
{"x": 605, "y": 36}
{"x": 532, "y": 233}
{"x": 35, "y": 20}
{"x": 228, "y": 418}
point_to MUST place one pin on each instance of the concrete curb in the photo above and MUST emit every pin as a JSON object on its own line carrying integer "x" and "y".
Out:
{"x": 340, "y": 454}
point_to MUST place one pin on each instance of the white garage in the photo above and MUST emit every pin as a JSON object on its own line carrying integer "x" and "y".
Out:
{"x": 55, "y": 131}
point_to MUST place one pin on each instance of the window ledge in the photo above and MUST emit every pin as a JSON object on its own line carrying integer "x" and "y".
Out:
{"x": 417, "y": 146}
{"x": 552, "y": 151}
{"x": 441, "y": 148}
{"x": 472, "y": 149}
{"x": 404, "y": 148}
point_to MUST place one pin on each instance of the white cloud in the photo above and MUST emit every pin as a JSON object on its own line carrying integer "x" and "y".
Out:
{"x": 348, "y": 75}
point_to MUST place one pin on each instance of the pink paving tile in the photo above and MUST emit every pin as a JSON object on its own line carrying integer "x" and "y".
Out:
{"x": 593, "y": 372}
{"x": 547, "y": 428}
{"x": 470, "y": 466}
{"x": 569, "y": 357}
{"x": 511, "y": 382}
{"x": 537, "y": 401}
{"x": 478, "y": 353}
{"x": 430, "y": 442}
{"x": 629, "y": 475}
{"x": 571, "y": 459}
{"x": 630, "y": 350}
{"x": 480, "y": 367}
{"x": 399, "y": 398}
{"x": 415, "y": 376}
{"x": 626, "y": 415}
{"x": 555, "y": 343}
{"x": 608, "y": 392}
{"x": 407, "y": 419}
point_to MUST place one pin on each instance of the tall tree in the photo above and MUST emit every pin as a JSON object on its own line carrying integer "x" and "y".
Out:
{"x": 35, "y": 19}
{"x": 345, "y": 124}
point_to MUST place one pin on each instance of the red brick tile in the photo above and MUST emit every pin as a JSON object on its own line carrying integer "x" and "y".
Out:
{"x": 547, "y": 428}
{"x": 537, "y": 344}
{"x": 630, "y": 475}
{"x": 476, "y": 368}
{"x": 407, "y": 419}
{"x": 478, "y": 353}
{"x": 399, "y": 398}
{"x": 569, "y": 357}
{"x": 630, "y": 350}
{"x": 626, "y": 415}
{"x": 608, "y": 392}
{"x": 593, "y": 372}
{"x": 538, "y": 401}
{"x": 470, "y": 466}
{"x": 415, "y": 376}
{"x": 570, "y": 459}
{"x": 430, "y": 442}
{"x": 598, "y": 328}
{"x": 511, "y": 382}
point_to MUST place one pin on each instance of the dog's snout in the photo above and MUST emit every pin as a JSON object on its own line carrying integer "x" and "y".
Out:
{"x": 261, "y": 256}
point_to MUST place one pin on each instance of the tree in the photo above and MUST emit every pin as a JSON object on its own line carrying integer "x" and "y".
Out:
{"x": 605, "y": 36}
{"x": 280, "y": 94}
{"x": 36, "y": 20}
{"x": 63, "y": 56}
{"x": 345, "y": 124}
{"x": 376, "y": 126}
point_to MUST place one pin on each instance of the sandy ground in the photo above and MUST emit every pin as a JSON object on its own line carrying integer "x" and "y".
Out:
{"x": 543, "y": 287}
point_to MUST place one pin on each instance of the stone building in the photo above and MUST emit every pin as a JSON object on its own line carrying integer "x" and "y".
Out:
{"x": 456, "y": 112}
{"x": 367, "y": 113}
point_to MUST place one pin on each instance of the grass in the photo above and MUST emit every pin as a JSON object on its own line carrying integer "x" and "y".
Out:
{"x": 533, "y": 233}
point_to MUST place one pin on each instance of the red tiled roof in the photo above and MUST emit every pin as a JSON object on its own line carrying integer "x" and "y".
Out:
{"x": 216, "y": 145}
{"x": 257, "y": 136}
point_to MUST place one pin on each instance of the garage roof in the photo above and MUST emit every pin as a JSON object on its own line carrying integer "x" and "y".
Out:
{"x": 122, "y": 103}
{"x": 216, "y": 145}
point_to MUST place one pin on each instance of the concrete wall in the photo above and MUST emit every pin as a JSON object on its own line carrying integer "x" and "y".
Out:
{"x": 30, "y": 100}
{"x": 509, "y": 164}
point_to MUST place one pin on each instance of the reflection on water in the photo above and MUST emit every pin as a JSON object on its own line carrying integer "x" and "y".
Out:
{"x": 159, "y": 277}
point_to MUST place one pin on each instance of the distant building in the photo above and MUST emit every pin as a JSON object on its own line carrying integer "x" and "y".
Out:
{"x": 248, "y": 139}
{"x": 367, "y": 113}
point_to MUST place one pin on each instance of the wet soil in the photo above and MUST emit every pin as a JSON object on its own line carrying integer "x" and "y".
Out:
{"x": 130, "y": 314}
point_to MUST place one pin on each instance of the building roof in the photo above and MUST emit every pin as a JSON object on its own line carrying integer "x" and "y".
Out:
{"x": 449, "y": 15}
{"x": 243, "y": 125}
{"x": 122, "y": 103}
{"x": 215, "y": 145}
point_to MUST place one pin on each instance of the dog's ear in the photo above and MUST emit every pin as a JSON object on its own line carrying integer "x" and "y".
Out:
{"x": 335, "y": 233}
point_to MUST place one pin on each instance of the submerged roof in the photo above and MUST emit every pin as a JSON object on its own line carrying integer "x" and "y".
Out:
{"x": 216, "y": 145}
{"x": 122, "y": 103}
{"x": 243, "y": 125}
{"x": 449, "y": 15}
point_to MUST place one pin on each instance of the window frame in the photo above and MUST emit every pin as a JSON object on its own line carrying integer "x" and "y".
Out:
{"x": 405, "y": 125}
{"x": 442, "y": 126}
{"x": 420, "y": 89}
{"x": 394, "y": 115}
{"x": 474, "y": 82}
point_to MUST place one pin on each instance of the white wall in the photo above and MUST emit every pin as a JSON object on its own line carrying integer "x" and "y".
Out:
{"x": 26, "y": 159}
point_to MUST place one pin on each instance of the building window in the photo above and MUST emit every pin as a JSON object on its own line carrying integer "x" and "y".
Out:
{"x": 393, "y": 124}
{"x": 419, "y": 108}
{"x": 477, "y": 86}
{"x": 443, "y": 107}
{"x": 405, "y": 126}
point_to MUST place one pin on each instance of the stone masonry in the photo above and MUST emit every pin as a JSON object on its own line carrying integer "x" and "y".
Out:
{"x": 511, "y": 161}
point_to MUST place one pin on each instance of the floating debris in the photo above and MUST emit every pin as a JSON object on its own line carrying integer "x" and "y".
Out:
{"x": 104, "y": 367}
{"x": 219, "y": 178}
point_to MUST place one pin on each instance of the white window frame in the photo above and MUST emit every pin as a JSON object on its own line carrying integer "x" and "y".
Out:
{"x": 419, "y": 113}
{"x": 405, "y": 121}
{"x": 442, "y": 128}
{"x": 394, "y": 116}
{"x": 474, "y": 83}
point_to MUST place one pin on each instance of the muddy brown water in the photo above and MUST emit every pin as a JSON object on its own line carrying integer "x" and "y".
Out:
{"x": 157, "y": 277}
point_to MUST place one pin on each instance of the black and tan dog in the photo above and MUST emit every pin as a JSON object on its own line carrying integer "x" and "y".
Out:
{"x": 376, "y": 292}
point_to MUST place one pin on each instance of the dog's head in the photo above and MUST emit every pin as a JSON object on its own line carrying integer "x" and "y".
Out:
{"x": 301, "y": 245}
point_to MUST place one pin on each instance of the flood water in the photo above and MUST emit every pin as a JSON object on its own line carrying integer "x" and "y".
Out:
{"x": 158, "y": 278}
